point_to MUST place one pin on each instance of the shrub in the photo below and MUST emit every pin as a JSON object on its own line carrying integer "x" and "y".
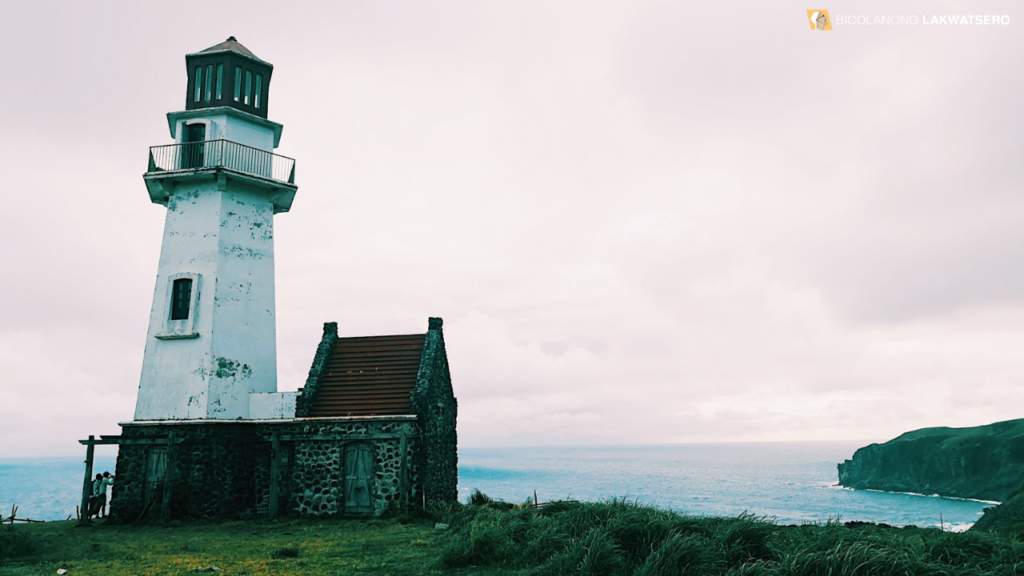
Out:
{"x": 444, "y": 512}
{"x": 624, "y": 538}
{"x": 680, "y": 554}
{"x": 595, "y": 554}
{"x": 746, "y": 538}
{"x": 14, "y": 544}
{"x": 856, "y": 559}
{"x": 483, "y": 544}
{"x": 288, "y": 552}
{"x": 478, "y": 498}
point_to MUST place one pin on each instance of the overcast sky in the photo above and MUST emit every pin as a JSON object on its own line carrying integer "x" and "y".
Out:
{"x": 642, "y": 222}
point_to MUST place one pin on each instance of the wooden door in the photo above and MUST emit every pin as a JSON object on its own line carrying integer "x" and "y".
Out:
{"x": 358, "y": 480}
{"x": 156, "y": 465}
{"x": 194, "y": 151}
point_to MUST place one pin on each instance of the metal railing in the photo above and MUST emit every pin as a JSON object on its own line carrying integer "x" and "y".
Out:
{"x": 222, "y": 154}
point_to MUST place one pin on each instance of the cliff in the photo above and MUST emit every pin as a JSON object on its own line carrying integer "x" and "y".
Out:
{"x": 983, "y": 462}
{"x": 1007, "y": 518}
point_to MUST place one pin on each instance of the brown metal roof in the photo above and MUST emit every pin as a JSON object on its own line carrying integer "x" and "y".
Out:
{"x": 369, "y": 375}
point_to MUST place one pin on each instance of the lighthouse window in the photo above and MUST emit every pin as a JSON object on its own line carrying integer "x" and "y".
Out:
{"x": 209, "y": 82}
{"x": 248, "y": 87}
{"x": 181, "y": 296}
{"x": 220, "y": 79}
{"x": 199, "y": 82}
{"x": 238, "y": 82}
{"x": 259, "y": 88}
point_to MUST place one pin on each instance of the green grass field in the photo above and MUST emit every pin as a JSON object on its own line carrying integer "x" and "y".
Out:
{"x": 489, "y": 538}
{"x": 237, "y": 548}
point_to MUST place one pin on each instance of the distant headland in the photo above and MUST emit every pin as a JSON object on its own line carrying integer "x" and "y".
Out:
{"x": 982, "y": 462}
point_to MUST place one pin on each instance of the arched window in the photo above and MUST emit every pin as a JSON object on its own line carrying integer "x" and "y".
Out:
{"x": 182, "y": 301}
{"x": 181, "y": 298}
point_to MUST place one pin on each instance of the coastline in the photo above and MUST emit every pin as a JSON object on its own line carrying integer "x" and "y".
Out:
{"x": 962, "y": 499}
{"x": 782, "y": 480}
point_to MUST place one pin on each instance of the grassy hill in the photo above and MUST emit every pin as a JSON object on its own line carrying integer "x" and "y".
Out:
{"x": 983, "y": 462}
{"x": 1007, "y": 518}
{"x": 491, "y": 538}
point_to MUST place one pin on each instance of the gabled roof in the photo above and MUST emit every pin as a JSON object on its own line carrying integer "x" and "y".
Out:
{"x": 232, "y": 45}
{"x": 369, "y": 375}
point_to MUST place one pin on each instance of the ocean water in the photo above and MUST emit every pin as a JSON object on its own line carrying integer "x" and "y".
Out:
{"x": 45, "y": 488}
{"x": 791, "y": 483}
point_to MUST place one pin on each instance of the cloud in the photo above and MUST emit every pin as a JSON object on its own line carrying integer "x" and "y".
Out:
{"x": 642, "y": 224}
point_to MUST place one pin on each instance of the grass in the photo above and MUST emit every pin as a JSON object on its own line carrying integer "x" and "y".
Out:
{"x": 283, "y": 547}
{"x": 622, "y": 538}
{"x": 15, "y": 543}
{"x": 491, "y": 537}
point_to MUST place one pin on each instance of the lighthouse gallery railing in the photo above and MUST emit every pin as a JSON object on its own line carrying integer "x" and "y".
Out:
{"x": 222, "y": 154}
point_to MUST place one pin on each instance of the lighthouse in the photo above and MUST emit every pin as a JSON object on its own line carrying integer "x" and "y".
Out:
{"x": 374, "y": 425}
{"x": 211, "y": 349}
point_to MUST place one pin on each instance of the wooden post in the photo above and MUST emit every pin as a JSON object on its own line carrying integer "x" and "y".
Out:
{"x": 275, "y": 473}
{"x": 169, "y": 468}
{"x": 87, "y": 484}
{"x": 402, "y": 473}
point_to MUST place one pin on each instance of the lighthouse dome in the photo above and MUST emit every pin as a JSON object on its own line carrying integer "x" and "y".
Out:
{"x": 228, "y": 74}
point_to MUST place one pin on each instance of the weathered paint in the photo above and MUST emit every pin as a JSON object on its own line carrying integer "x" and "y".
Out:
{"x": 273, "y": 405}
{"x": 228, "y": 124}
{"x": 221, "y": 233}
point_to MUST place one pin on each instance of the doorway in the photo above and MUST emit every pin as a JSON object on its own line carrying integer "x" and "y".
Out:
{"x": 358, "y": 480}
{"x": 156, "y": 471}
{"x": 194, "y": 148}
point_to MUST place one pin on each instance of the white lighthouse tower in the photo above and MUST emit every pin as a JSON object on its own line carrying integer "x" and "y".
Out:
{"x": 211, "y": 342}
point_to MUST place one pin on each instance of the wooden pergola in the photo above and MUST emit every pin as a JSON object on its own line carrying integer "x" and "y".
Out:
{"x": 90, "y": 444}
{"x": 171, "y": 441}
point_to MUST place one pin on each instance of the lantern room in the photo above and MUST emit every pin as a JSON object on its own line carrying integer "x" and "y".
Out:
{"x": 228, "y": 74}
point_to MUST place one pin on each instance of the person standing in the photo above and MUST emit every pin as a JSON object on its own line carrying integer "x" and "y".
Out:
{"x": 94, "y": 500}
{"x": 107, "y": 479}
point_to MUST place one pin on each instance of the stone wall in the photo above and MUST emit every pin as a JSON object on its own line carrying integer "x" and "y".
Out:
{"x": 317, "y": 472}
{"x": 434, "y": 403}
{"x": 223, "y": 469}
{"x": 304, "y": 401}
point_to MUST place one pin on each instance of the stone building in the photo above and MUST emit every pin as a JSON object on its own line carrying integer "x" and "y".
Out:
{"x": 372, "y": 430}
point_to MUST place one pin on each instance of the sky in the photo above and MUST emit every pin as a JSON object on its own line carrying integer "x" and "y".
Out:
{"x": 642, "y": 222}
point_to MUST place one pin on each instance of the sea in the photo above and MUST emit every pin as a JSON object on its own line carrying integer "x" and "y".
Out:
{"x": 788, "y": 483}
